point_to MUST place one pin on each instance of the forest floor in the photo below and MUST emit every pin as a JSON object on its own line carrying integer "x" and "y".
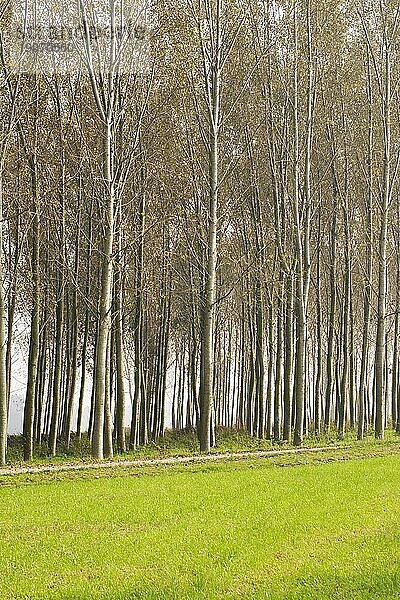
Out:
{"x": 179, "y": 450}
{"x": 172, "y": 460}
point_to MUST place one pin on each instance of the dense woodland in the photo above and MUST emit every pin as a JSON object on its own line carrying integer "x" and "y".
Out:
{"x": 217, "y": 231}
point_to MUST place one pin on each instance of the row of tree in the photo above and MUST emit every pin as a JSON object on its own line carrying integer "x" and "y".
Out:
{"x": 215, "y": 229}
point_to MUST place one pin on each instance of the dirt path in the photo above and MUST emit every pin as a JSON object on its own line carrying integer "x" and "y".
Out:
{"x": 159, "y": 461}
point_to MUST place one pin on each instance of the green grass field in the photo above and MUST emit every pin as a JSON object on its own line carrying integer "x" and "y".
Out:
{"x": 245, "y": 530}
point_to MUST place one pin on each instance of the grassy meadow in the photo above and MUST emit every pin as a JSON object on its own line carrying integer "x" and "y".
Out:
{"x": 292, "y": 527}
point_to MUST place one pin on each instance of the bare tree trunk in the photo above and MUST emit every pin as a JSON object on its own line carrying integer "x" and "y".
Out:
{"x": 382, "y": 262}
{"x": 139, "y": 391}
{"x": 85, "y": 341}
{"x": 108, "y": 446}
{"x": 74, "y": 324}
{"x": 344, "y": 383}
{"x": 119, "y": 352}
{"x": 279, "y": 364}
{"x": 3, "y": 370}
{"x": 55, "y": 414}
{"x": 208, "y": 320}
{"x": 330, "y": 358}
{"x": 270, "y": 376}
{"x": 35, "y": 321}
{"x": 395, "y": 355}
{"x": 288, "y": 363}
{"x": 302, "y": 233}
{"x": 319, "y": 367}
{"x": 105, "y": 301}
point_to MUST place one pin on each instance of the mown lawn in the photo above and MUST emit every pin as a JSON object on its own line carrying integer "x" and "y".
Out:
{"x": 244, "y": 530}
